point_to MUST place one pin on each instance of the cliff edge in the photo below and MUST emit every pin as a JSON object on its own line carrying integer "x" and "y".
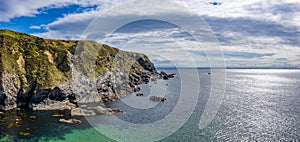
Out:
{"x": 45, "y": 74}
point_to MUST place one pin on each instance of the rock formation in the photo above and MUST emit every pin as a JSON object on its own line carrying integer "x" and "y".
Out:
{"x": 45, "y": 74}
{"x": 157, "y": 99}
{"x": 139, "y": 94}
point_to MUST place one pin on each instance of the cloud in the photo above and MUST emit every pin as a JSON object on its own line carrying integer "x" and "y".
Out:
{"x": 240, "y": 49}
{"x": 10, "y": 9}
{"x": 35, "y": 27}
{"x": 283, "y": 12}
{"x": 242, "y": 16}
{"x": 17, "y": 8}
{"x": 250, "y": 32}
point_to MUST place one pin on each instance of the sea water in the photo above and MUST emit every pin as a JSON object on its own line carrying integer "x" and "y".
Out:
{"x": 258, "y": 105}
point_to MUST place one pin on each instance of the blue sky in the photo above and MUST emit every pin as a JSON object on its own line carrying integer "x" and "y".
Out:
{"x": 257, "y": 33}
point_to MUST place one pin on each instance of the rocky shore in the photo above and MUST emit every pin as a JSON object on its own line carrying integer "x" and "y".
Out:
{"x": 44, "y": 74}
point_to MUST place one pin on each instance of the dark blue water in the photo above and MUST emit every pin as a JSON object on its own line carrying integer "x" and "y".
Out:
{"x": 258, "y": 105}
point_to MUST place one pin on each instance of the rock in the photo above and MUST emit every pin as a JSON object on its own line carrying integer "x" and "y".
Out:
{"x": 171, "y": 75}
{"x": 57, "y": 95}
{"x": 157, "y": 99}
{"x": 3, "y": 119}
{"x": 10, "y": 125}
{"x": 146, "y": 63}
{"x": 39, "y": 95}
{"x": 110, "y": 111}
{"x": 166, "y": 76}
{"x": 9, "y": 87}
{"x": 91, "y": 111}
{"x": 48, "y": 81}
{"x": 72, "y": 99}
{"x": 26, "y": 134}
{"x": 139, "y": 94}
{"x": 146, "y": 81}
{"x": 162, "y": 73}
{"x": 82, "y": 112}
{"x": 32, "y": 117}
{"x": 70, "y": 121}
{"x": 2, "y": 100}
{"x": 23, "y": 97}
{"x": 115, "y": 111}
{"x": 18, "y": 118}
{"x": 136, "y": 89}
{"x": 54, "y": 105}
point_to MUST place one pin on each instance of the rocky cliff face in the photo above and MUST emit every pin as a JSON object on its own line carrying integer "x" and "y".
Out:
{"x": 48, "y": 74}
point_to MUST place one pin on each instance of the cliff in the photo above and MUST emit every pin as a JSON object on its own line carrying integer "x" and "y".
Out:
{"x": 50, "y": 74}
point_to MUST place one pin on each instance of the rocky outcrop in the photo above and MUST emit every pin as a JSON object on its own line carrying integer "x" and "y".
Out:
{"x": 157, "y": 99}
{"x": 91, "y": 111}
{"x": 82, "y": 112}
{"x": 49, "y": 104}
{"x": 166, "y": 76}
{"x": 139, "y": 94}
{"x": 45, "y": 74}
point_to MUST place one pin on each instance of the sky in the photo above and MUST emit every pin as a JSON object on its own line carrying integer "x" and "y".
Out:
{"x": 185, "y": 33}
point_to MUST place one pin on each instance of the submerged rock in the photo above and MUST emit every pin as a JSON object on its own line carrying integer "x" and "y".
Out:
{"x": 57, "y": 115}
{"x": 114, "y": 111}
{"x": 32, "y": 117}
{"x": 70, "y": 121}
{"x": 26, "y": 134}
{"x": 2, "y": 117}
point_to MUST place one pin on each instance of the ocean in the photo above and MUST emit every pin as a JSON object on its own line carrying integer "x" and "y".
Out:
{"x": 244, "y": 105}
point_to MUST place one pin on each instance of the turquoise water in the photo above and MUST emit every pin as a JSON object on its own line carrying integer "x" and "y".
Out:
{"x": 259, "y": 105}
{"x": 43, "y": 126}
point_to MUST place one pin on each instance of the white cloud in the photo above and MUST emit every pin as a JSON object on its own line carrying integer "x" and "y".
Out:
{"x": 10, "y": 9}
{"x": 35, "y": 27}
{"x": 266, "y": 50}
{"x": 256, "y": 26}
{"x": 285, "y": 12}
{"x": 17, "y": 8}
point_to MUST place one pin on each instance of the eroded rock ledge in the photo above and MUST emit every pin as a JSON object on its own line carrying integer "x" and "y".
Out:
{"x": 44, "y": 74}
